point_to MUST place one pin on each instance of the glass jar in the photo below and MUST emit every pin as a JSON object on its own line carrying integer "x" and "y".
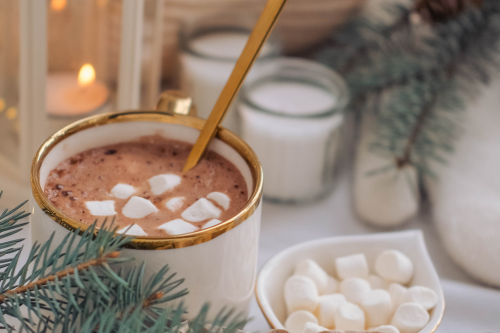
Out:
{"x": 292, "y": 116}
{"x": 210, "y": 48}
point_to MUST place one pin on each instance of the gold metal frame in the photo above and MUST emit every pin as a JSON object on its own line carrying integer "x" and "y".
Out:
{"x": 151, "y": 243}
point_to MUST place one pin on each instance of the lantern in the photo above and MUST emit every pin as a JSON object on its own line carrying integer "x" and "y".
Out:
{"x": 65, "y": 60}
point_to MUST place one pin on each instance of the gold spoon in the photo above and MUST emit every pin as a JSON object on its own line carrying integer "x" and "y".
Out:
{"x": 257, "y": 38}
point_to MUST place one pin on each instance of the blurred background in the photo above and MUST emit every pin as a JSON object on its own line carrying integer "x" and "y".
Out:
{"x": 367, "y": 115}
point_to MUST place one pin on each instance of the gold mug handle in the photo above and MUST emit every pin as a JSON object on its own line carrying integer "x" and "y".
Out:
{"x": 176, "y": 102}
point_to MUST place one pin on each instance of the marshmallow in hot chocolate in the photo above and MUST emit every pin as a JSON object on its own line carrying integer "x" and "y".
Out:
{"x": 140, "y": 184}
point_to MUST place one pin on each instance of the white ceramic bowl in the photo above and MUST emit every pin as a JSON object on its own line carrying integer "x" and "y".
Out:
{"x": 272, "y": 277}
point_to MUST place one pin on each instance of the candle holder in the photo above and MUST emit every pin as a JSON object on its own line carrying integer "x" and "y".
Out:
{"x": 71, "y": 59}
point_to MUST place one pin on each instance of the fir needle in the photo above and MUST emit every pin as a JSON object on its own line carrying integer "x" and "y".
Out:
{"x": 257, "y": 38}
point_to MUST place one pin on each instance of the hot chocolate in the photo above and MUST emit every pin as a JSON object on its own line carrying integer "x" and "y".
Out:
{"x": 141, "y": 185}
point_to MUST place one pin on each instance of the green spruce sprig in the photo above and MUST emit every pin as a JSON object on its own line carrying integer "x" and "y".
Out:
{"x": 79, "y": 285}
{"x": 416, "y": 77}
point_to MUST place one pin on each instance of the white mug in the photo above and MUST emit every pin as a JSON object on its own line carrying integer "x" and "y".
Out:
{"x": 219, "y": 263}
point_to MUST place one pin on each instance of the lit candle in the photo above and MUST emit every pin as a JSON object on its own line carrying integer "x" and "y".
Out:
{"x": 71, "y": 95}
{"x": 58, "y": 5}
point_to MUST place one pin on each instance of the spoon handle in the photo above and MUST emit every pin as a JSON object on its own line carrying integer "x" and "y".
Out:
{"x": 257, "y": 38}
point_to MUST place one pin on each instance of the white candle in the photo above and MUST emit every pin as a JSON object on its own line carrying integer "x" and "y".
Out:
{"x": 294, "y": 128}
{"x": 73, "y": 95}
{"x": 207, "y": 64}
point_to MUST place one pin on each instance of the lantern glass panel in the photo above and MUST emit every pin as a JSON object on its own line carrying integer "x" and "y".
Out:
{"x": 9, "y": 80}
{"x": 82, "y": 37}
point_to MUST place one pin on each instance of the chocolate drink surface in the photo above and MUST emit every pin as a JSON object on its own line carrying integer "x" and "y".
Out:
{"x": 140, "y": 183}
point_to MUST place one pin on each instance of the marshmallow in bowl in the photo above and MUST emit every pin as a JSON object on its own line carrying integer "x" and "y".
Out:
{"x": 178, "y": 227}
{"x": 101, "y": 208}
{"x": 137, "y": 208}
{"x": 396, "y": 291}
{"x": 410, "y": 318}
{"x": 311, "y": 327}
{"x": 133, "y": 230}
{"x": 354, "y": 289}
{"x": 327, "y": 306}
{"x": 312, "y": 270}
{"x": 175, "y": 204}
{"x": 122, "y": 191}
{"x": 162, "y": 183}
{"x": 332, "y": 286}
{"x": 220, "y": 198}
{"x": 355, "y": 303}
{"x": 300, "y": 294}
{"x": 377, "y": 306}
{"x": 296, "y": 322}
{"x": 395, "y": 266}
{"x": 385, "y": 329}
{"x": 376, "y": 282}
{"x": 353, "y": 266}
{"x": 349, "y": 317}
{"x": 421, "y": 295}
{"x": 200, "y": 211}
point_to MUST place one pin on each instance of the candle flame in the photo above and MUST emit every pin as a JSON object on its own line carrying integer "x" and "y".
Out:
{"x": 58, "y": 5}
{"x": 11, "y": 113}
{"x": 86, "y": 76}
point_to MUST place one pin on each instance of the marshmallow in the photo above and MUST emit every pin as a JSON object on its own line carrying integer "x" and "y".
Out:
{"x": 162, "y": 183}
{"x": 133, "y": 230}
{"x": 122, "y": 191}
{"x": 332, "y": 285}
{"x": 175, "y": 203}
{"x": 410, "y": 318}
{"x": 327, "y": 306}
{"x": 421, "y": 295}
{"x": 137, "y": 208}
{"x": 201, "y": 210}
{"x": 300, "y": 294}
{"x": 354, "y": 266}
{"x": 376, "y": 282}
{"x": 385, "y": 329}
{"x": 312, "y": 270}
{"x": 178, "y": 227}
{"x": 394, "y": 266}
{"x": 311, "y": 327}
{"x": 101, "y": 208}
{"x": 296, "y": 322}
{"x": 211, "y": 223}
{"x": 349, "y": 317}
{"x": 354, "y": 289}
{"x": 377, "y": 306}
{"x": 220, "y": 198}
{"x": 396, "y": 291}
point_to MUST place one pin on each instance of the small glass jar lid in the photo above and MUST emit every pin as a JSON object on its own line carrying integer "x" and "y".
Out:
{"x": 296, "y": 88}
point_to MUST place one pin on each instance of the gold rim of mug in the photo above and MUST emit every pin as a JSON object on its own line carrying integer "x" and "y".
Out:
{"x": 151, "y": 243}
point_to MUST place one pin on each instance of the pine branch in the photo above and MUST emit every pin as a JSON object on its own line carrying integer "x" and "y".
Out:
{"x": 424, "y": 74}
{"x": 71, "y": 287}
